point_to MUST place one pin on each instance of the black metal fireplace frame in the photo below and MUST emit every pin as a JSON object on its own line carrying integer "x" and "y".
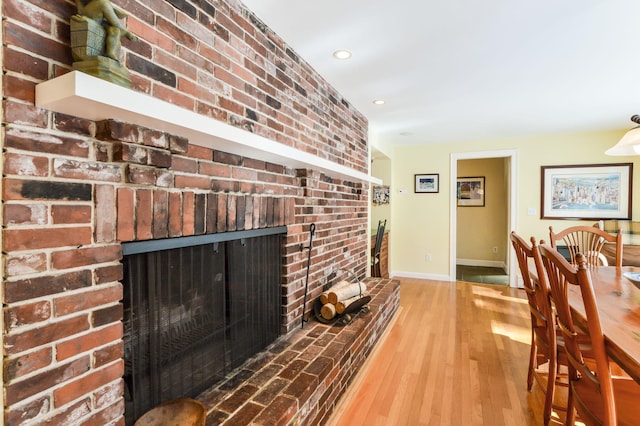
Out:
{"x": 136, "y": 247}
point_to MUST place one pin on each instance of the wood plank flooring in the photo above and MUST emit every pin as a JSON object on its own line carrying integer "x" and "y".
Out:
{"x": 456, "y": 354}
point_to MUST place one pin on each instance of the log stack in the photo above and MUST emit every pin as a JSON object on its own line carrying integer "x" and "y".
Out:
{"x": 337, "y": 300}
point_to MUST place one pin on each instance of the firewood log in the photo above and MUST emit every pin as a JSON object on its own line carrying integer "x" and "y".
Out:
{"x": 344, "y": 304}
{"x": 324, "y": 297}
{"x": 328, "y": 311}
{"x": 343, "y": 293}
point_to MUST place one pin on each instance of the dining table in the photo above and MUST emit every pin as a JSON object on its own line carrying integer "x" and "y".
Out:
{"x": 618, "y": 301}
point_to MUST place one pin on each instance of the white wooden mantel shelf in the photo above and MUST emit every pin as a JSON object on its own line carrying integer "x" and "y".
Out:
{"x": 82, "y": 95}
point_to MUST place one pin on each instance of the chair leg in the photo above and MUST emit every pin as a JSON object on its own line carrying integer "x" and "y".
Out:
{"x": 571, "y": 413}
{"x": 375, "y": 267}
{"x": 532, "y": 360}
{"x": 551, "y": 386}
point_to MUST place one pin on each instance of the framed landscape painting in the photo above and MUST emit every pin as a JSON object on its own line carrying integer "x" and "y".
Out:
{"x": 470, "y": 191}
{"x": 590, "y": 192}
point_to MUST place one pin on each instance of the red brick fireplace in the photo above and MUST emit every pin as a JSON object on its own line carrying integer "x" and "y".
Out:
{"x": 75, "y": 189}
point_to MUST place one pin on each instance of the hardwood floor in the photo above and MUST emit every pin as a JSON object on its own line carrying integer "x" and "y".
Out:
{"x": 456, "y": 354}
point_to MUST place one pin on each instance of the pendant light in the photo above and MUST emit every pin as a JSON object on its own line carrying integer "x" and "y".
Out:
{"x": 630, "y": 142}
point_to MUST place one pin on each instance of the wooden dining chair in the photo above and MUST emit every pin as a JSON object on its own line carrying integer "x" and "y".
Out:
{"x": 589, "y": 241}
{"x": 598, "y": 397}
{"x": 375, "y": 257}
{"x": 544, "y": 345}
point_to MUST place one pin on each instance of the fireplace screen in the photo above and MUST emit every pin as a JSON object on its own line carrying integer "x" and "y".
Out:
{"x": 192, "y": 314}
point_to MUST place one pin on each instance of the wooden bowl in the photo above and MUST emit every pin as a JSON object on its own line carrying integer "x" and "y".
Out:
{"x": 181, "y": 411}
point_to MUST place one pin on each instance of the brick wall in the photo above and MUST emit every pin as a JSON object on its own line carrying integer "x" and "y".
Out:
{"x": 73, "y": 189}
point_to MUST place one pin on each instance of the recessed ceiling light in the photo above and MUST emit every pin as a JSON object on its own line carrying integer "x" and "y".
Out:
{"x": 378, "y": 102}
{"x": 342, "y": 54}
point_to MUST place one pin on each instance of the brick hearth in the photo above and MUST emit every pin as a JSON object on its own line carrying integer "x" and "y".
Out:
{"x": 300, "y": 378}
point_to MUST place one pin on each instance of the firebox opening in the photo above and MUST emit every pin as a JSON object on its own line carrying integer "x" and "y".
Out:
{"x": 195, "y": 308}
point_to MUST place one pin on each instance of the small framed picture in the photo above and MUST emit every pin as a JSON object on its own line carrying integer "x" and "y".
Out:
{"x": 427, "y": 183}
{"x": 380, "y": 195}
{"x": 471, "y": 191}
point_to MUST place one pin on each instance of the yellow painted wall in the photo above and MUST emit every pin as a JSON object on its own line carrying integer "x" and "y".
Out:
{"x": 381, "y": 168}
{"x": 420, "y": 222}
{"x": 479, "y": 229}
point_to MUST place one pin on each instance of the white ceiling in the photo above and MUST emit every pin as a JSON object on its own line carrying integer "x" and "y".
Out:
{"x": 461, "y": 70}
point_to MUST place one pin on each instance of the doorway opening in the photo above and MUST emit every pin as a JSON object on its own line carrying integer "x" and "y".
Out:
{"x": 510, "y": 160}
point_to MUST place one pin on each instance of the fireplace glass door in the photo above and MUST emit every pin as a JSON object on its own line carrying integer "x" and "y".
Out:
{"x": 192, "y": 314}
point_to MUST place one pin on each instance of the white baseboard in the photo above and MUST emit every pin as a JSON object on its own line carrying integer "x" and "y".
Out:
{"x": 404, "y": 274}
{"x": 486, "y": 263}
